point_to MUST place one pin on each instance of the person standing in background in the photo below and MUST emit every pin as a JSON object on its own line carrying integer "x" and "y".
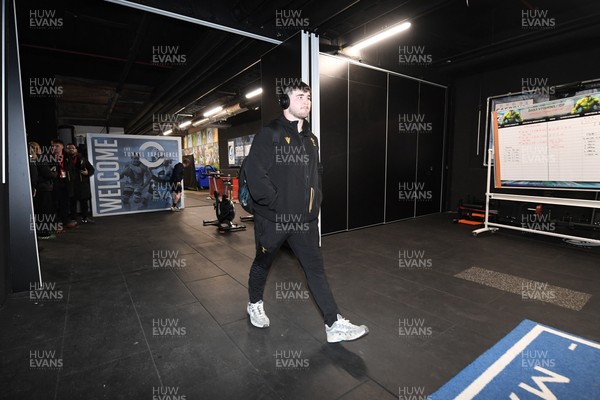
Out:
{"x": 175, "y": 183}
{"x": 63, "y": 183}
{"x": 82, "y": 170}
{"x": 42, "y": 200}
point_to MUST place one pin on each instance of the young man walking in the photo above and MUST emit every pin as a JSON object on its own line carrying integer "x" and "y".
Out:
{"x": 284, "y": 178}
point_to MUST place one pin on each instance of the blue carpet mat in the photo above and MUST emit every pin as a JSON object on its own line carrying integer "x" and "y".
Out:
{"x": 532, "y": 362}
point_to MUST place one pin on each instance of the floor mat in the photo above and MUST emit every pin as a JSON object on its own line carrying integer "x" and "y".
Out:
{"x": 532, "y": 362}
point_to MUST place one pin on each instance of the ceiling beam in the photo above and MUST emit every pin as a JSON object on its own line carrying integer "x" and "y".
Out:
{"x": 133, "y": 52}
{"x": 196, "y": 21}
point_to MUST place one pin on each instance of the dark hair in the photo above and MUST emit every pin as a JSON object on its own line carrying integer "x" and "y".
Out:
{"x": 57, "y": 141}
{"x": 288, "y": 89}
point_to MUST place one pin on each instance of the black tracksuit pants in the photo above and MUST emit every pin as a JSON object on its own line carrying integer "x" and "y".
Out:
{"x": 269, "y": 237}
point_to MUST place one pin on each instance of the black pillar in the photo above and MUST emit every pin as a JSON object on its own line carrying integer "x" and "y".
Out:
{"x": 23, "y": 261}
{"x": 3, "y": 167}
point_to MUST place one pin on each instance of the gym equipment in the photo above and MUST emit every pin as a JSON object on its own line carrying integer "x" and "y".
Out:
{"x": 471, "y": 214}
{"x": 247, "y": 218}
{"x": 538, "y": 210}
{"x": 224, "y": 207}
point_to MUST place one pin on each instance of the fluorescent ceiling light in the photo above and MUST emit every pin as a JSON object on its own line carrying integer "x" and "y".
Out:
{"x": 168, "y": 132}
{"x": 254, "y": 93}
{"x": 212, "y": 112}
{"x": 185, "y": 124}
{"x": 200, "y": 122}
{"x": 381, "y": 36}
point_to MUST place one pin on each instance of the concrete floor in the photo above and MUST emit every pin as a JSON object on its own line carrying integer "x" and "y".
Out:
{"x": 150, "y": 305}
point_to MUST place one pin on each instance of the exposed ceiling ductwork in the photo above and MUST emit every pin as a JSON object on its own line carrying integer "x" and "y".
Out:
{"x": 120, "y": 66}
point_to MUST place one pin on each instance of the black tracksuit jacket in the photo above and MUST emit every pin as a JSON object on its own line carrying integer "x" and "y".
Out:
{"x": 284, "y": 173}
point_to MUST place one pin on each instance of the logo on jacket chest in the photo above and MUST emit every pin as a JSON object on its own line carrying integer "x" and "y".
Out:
{"x": 288, "y": 140}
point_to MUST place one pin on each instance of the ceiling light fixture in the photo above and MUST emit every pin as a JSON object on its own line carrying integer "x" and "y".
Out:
{"x": 212, "y": 112}
{"x": 380, "y": 36}
{"x": 200, "y": 122}
{"x": 254, "y": 93}
{"x": 185, "y": 124}
{"x": 168, "y": 132}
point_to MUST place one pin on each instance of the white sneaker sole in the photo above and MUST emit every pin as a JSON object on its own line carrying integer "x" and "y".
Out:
{"x": 346, "y": 338}
{"x": 256, "y": 324}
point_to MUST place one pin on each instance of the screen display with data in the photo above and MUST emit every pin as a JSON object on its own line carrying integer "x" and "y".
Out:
{"x": 554, "y": 144}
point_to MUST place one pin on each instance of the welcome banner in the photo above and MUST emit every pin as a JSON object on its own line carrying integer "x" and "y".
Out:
{"x": 132, "y": 172}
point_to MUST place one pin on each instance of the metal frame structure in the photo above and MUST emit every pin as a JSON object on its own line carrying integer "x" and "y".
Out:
{"x": 493, "y": 226}
{"x": 196, "y": 21}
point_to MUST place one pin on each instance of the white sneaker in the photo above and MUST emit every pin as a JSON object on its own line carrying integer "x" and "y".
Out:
{"x": 258, "y": 318}
{"x": 176, "y": 209}
{"x": 343, "y": 330}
